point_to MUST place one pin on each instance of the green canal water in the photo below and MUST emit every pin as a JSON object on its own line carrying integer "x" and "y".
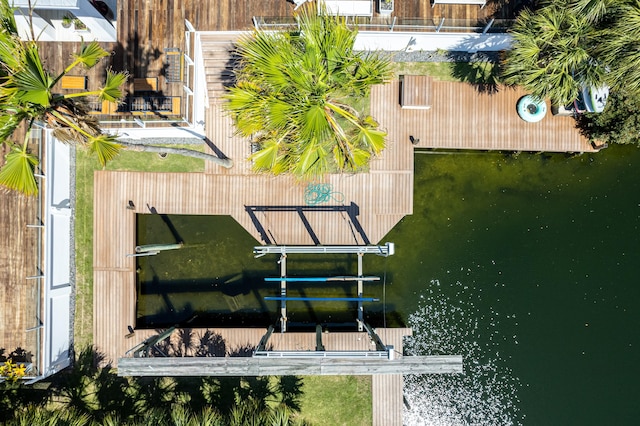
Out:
{"x": 527, "y": 266}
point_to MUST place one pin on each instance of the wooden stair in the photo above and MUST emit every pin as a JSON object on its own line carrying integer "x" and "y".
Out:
{"x": 218, "y": 51}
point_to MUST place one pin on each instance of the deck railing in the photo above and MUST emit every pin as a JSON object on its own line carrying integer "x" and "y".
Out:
{"x": 444, "y": 25}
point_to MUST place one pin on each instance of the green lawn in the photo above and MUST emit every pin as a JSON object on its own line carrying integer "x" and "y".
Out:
{"x": 337, "y": 400}
{"x": 85, "y": 166}
{"x": 474, "y": 73}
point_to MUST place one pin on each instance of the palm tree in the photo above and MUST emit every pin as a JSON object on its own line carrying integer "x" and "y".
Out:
{"x": 300, "y": 96}
{"x": 621, "y": 47}
{"x": 27, "y": 96}
{"x": 553, "y": 53}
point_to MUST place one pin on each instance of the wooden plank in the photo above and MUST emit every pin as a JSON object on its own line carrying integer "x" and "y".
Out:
{"x": 386, "y": 399}
{"x": 415, "y": 91}
{"x": 77, "y": 82}
{"x": 146, "y": 84}
{"x": 18, "y": 260}
{"x": 263, "y": 366}
{"x": 464, "y": 117}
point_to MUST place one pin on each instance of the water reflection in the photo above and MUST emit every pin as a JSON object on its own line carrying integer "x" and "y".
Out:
{"x": 487, "y": 394}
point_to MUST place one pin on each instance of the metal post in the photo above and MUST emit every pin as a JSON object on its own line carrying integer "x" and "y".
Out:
{"x": 486, "y": 27}
{"x": 262, "y": 346}
{"x": 283, "y": 293}
{"x": 440, "y": 25}
{"x": 376, "y": 339}
{"x": 393, "y": 23}
{"x": 319, "y": 345}
{"x": 360, "y": 292}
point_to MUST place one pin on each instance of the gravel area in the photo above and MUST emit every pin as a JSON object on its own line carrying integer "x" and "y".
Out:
{"x": 164, "y": 141}
{"x": 445, "y": 56}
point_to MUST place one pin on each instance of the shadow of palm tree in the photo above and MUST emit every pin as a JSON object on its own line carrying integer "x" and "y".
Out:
{"x": 211, "y": 344}
{"x": 290, "y": 390}
{"x": 90, "y": 392}
{"x": 152, "y": 393}
{"x": 243, "y": 350}
{"x": 483, "y": 75}
{"x": 90, "y": 389}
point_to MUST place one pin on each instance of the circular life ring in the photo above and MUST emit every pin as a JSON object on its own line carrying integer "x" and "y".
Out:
{"x": 530, "y": 109}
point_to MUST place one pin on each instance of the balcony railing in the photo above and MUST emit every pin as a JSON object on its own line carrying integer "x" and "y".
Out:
{"x": 444, "y": 25}
{"x": 139, "y": 105}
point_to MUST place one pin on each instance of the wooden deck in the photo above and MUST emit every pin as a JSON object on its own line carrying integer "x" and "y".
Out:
{"x": 146, "y": 28}
{"x": 272, "y": 209}
{"x": 20, "y": 297}
{"x": 462, "y": 117}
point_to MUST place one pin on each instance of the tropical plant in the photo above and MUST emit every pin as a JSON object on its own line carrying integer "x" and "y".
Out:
{"x": 553, "y": 53}
{"x": 27, "y": 96}
{"x": 79, "y": 25}
{"x": 618, "y": 123}
{"x": 386, "y": 5}
{"x": 300, "y": 96}
{"x": 620, "y": 47}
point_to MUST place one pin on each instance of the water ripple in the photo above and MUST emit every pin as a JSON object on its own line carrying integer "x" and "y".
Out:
{"x": 448, "y": 321}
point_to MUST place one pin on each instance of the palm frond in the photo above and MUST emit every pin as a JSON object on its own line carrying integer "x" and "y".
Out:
{"x": 10, "y": 54}
{"x": 89, "y": 55}
{"x": 18, "y": 172}
{"x": 7, "y": 21}
{"x": 9, "y": 122}
{"x": 285, "y": 86}
{"x": 554, "y": 53}
{"x": 106, "y": 147}
{"x": 111, "y": 90}
{"x": 32, "y": 82}
{"x": 268, "y": 157}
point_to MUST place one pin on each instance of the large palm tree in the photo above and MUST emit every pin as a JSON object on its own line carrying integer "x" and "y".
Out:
{"x": 27, "y": 96}
{"x": 554, "y": 51}
{"x": 301, "y": 96}
{"x": 620, "y": 48}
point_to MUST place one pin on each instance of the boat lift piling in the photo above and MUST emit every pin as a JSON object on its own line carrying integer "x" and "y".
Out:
{"x": 283, "y": 292}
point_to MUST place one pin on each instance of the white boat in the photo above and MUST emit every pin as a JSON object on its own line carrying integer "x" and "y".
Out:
{"x": 595, "y": 99}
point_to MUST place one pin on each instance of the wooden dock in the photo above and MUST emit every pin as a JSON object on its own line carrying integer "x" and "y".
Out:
{"x": 461, "y": 116}
{"x": 386, "y": 388}
{"x": 363, "y": 208}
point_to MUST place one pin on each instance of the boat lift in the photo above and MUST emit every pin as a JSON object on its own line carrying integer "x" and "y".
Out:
{"x": 386, "y": 250}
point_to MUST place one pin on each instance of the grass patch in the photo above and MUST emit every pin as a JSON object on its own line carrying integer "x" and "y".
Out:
{"x": 438, "y": 70}
{"x": 467, "y": 72}
{"x": 86, "y": 165}
{"x": 337, "y": 400}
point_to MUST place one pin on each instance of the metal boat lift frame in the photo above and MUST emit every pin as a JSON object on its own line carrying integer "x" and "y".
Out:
{"x": 386, "y": 250}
